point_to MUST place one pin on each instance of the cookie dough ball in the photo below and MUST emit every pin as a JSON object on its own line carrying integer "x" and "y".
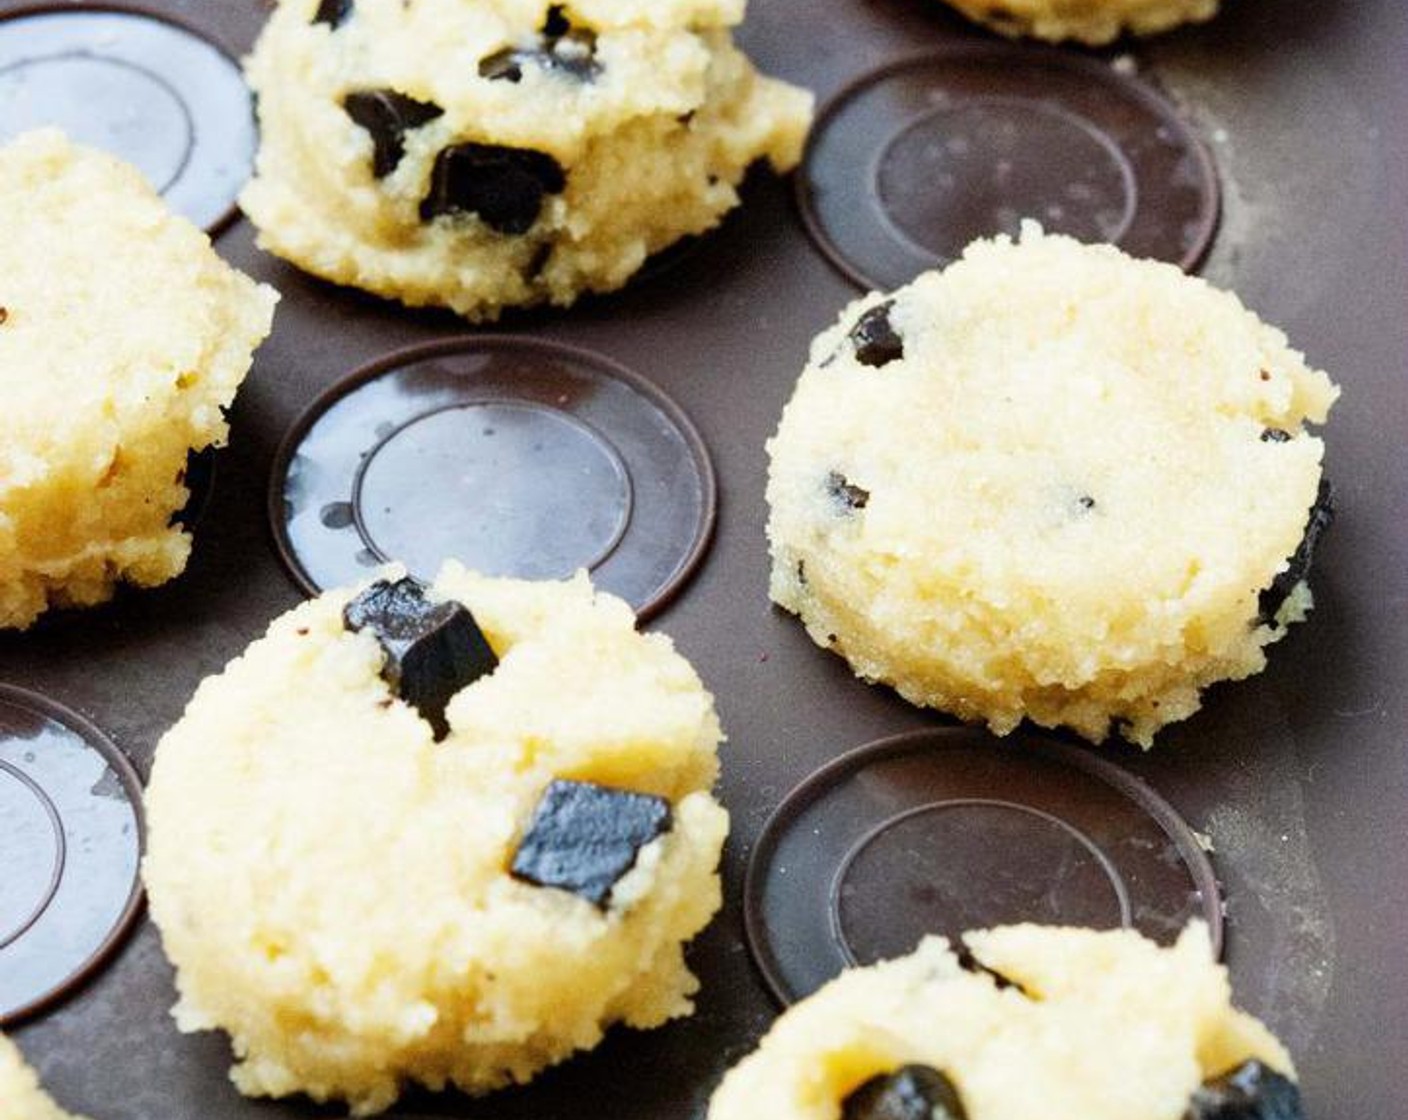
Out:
{"x": 1053, "y": 482}
{"x": 1042, "y": 1022}
{"x": 401, "y": 840}
{"x": 122, "y": 338}
{"x": 479, "y": 154}
{"x": 1095, "y": 22}
{"x": 19, "y": 1089}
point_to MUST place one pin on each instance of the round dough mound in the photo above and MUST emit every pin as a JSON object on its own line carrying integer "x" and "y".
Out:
{"x": 122, "y": 336}
{"x": 581, "y": 138}
{"x": 19, "y": 1089}
{"x": 1095, "y": 22}
{"x": 332, "y": 884}
{"x": 1049, "y": 481}
{"x": 1101, "y": 1026}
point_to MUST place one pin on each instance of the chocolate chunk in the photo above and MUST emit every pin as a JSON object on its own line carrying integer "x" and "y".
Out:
{"x": 508, "y": 64}
{"x": 388, "y": 116}
{"x": 1252, "y": 1091}
{"x": 584, "y": 837}
{"x": 556, "y": 24}
{"x": 969, "y": 962}
{"x": 334, "y": 13}
{"x": 561, "y": 49}
{"x": 432, "y": 649}
{"x": 538, "y": 261}
{"x": 846, "y": 494}
{"x": 505, "y": 187}
{"x": 1322, "y": 516}
{"x": 912, "y": 1092}
{"x": 1085, "y": 503}
{"x": 1275, "y": 435}
{"x": 874, "y": 338}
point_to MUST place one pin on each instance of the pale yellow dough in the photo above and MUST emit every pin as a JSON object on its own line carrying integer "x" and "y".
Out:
{"x": 1094, "y": 22}
{"x": 332, "y": 885}
{"x": 1069, "y": 503}
{"x": 122, "y": 337}
{"x": 21, "y": 1098}
{"x": 653, "y": 147}
{"x": 1102, "y": 1026}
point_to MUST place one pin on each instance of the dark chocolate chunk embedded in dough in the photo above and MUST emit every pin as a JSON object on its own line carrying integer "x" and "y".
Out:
{"x": 1322, "y": 516}
{"x": 1252, "y": 1091}
{"x": 1275, "y": 435}
{"x": 388, "y": 116}
{"x": 969, "y": 962}
{"x": 846, "y": 494}
{"x": 584, "y": 837}
{"x": 504, "y": 187}
{"x": 912, "y": 1092}
{"x": 556, "y": 24}
{"x": 433, "y": 650}
{"x": 573, "y": 57}
{"x": 334, "y": 13}
{"x": 874, "y": 337}
{"x": 561, "y": 49}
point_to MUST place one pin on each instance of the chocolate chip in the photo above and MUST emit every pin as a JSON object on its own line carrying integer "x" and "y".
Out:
{"x": 1086, "y": 503}
{"x": 912, "y": 1092}
{"x": 576, "y": 62}
{"x": 556, "y": 24}
{"x": 846, "y": 494}
{"x": 970, "y": 963}
{"x": 584, "y": 837}
{"x": 388, "y": 116}
{"x": 538, "y": 261}
{"x": 505, "y": 187}
{"x": 4, "y": 315}
{"x": 1275, "y": 435}
{"x": 874, "y": 338}
{"x": 506, "y": 65}
{"x": 432, "y": 649}
{"x": 561, "y": 49}
{"x": 1252, "y": 1091}
{"x": 334, "y": 13}
{"x": 1322, "y": 516}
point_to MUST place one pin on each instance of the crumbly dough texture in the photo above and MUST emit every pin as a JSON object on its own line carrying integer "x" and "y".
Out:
{"x": 1061, "y": 504}
{"x": 332, "y": 885}
{"x": 21, "y": 1098}
{"x": 653, "y": 146}
{"x": 122, "y": 337}
{"x": 1101, "y": 1026}
{"x": 1095, "y": 22}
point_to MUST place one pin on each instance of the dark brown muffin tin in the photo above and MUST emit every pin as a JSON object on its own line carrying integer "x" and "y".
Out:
{"x": 1298, "y": 777}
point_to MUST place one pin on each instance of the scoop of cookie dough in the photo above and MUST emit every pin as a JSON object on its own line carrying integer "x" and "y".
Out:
{"x": 1095, "y": 22}
{"x": 1050, "y": 481}
{"x": 20, "y": 1093}
{"x": 1067, "y": 1023}
{"x": 479, "y": 154}
{"x": 122, "y": 338}
{"x": 362, "y": 899}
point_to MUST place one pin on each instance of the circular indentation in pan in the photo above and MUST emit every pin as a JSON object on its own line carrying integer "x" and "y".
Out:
{"x": 517, "y": 457}
{"x": 70, "y": 845}
{"x": 950, "y": 829}
{"x": 911, "y": 162}
{"x": 139, "y": 86}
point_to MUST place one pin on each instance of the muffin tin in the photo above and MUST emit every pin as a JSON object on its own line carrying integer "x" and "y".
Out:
{"x": 1296, "y": 780}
